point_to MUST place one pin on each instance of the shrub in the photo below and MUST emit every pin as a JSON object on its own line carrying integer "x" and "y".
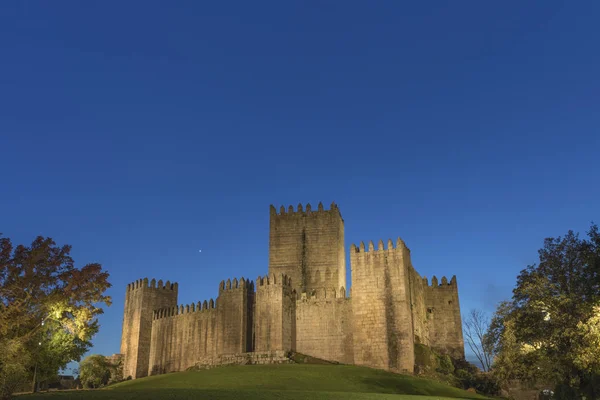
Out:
{"x": 94, "y": 371}
{"x": 483, "y": 382}
{"x": 445, "y": 365}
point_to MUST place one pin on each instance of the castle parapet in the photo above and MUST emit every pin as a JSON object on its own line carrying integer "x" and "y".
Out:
{"x": 272, "y": 279}
{"x": 300, "y": 210}
{"x": 235, "y": 284}
{"x": 183, "y": 309}
{"x": 444, "y": 282}
{"x": 400, "y": 245}
{"x": 143, "y": 284}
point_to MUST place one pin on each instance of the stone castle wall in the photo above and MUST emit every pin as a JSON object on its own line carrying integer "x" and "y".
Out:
{"x": 389, "y": 308}
{"x": 181, "y": 336}
{"x": 324, "y": 327}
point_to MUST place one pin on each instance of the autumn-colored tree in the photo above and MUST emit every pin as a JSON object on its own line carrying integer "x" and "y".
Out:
{"x": 550, "y": 331}
{"x": 48, "y": 307}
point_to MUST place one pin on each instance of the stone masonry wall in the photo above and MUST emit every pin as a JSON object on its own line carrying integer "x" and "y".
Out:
{"x": 274, "y": 314}
{"x": 444, "y": 319}
{"x": 273, "y": 357}
{"x": 181, "y": 336}
{"x": 419, "y": 309}
{"x": 382, "y": 320}
{"x": 141, "y": 300}
{"x": 324, "y": 327}
{"x": 308, "y": 246}
{"x": 234, "y": 316}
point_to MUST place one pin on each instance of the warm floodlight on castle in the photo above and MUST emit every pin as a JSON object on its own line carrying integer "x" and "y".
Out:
{"x": 301, "y": 306}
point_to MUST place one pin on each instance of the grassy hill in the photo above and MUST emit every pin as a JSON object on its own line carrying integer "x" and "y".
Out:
{"x": 285, "y": 382}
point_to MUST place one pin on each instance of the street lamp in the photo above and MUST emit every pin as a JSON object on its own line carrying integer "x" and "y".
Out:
{"x": 34, "y": 384}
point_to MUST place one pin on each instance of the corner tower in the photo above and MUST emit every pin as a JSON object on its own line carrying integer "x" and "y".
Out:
{"x": 443, "y": 313}
{"x": 141, "y": 300}
{"x": 308, "y": 246}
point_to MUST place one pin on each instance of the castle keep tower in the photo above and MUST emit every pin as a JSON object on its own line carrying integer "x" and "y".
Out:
{"x": 141, "y": 300}
{"x": 308, "y": 247}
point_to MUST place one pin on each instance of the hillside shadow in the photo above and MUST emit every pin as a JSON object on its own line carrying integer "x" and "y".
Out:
{"x": 415, "y": 386}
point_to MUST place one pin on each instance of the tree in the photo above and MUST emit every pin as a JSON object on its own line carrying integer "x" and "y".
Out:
{"x": 48, "y": 307}
{"x": 94, "y": 371}
{"x": 551, "y": 325}
{"x": 476, "y": 326}
{"x": 12, "y": 367}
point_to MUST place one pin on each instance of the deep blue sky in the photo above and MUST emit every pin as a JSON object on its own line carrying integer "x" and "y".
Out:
{"x": 142, "y": 132}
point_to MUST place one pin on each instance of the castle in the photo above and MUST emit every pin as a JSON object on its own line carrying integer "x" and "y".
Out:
{"x": 301, "y": 306}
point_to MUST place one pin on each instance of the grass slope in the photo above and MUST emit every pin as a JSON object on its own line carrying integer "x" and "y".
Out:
{"x": 286, "y": 382}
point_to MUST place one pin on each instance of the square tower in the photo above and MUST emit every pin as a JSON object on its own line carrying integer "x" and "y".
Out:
{"x": 141, "y": 300}
{"x": 308, "y": 246}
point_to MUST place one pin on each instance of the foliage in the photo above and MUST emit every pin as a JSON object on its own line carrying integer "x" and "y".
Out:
{"x": 426, "y": 360}
{"x": 12, "y": 366}
{"x": 468, "y": 376}
{"x": 476, "y": 325}
{"x": 116, "y": 371}
{"x": 445, "y": 364}
{"x": 94, "y": 371}
{"x": 456, "y": 372}
{"x": 550, "y": 329}
{"x": 482, "y": 382}
{"x": 47, "y": 305}
{"x": 587, "y": 350}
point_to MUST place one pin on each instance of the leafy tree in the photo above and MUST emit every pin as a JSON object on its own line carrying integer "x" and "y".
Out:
{"x": 476, "y": 326}
{"x": 12, "y": 367}
{"x": 550, "y": 329}
{"x": 48, "y": 307}
{"x": 94, "y": 371}
{"x": 587, "y": 351}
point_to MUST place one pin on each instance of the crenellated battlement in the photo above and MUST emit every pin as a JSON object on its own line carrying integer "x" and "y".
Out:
{"x": 400, "y": 245}
{"x": 443, "y": 283}
{"x": 272, "y": 279}
{"x": 235, "y": 284}
{"x": 302, "y": 211}
{"x": 143, "y": 284}
{"x": 184, "y": 309}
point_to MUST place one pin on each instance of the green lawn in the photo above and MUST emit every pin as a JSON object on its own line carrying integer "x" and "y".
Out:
{"x": 285, "y": 382}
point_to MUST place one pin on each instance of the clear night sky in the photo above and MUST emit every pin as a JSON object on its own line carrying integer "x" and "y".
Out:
{"x": 142, "y": 132}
